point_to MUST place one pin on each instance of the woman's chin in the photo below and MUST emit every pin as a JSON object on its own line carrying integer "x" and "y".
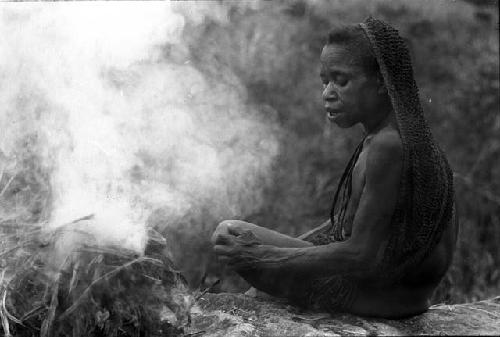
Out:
{"x": 340, "y": 122}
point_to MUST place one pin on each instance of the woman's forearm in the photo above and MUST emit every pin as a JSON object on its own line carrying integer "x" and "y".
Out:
{"x": 340, "y": 258}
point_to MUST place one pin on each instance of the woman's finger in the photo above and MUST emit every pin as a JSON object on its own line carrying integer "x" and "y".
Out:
{"x": 234, "y": 229}
{"x": 221, "y": 229}
{"x": 224, "y": 239}
{"x": 223, "y": 250}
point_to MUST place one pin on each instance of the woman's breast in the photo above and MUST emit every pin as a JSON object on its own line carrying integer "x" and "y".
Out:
{"x": 357, "y": 185}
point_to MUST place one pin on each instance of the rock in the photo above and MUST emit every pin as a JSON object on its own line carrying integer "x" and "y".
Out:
{"x": 241, "y": 315}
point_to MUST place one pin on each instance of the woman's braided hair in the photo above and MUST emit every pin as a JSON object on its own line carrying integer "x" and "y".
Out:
{"x": 426, "y": 196}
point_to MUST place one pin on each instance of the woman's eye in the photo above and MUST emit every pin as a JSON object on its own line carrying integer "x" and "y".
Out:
{"x": 342, "y": 81}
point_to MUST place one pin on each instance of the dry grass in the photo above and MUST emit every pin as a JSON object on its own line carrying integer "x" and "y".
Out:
{"x": 62, "y": 283}
{"x": 49, "y": 290}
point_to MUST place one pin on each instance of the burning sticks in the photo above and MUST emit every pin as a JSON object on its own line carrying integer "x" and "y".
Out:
{"x": 89, "y": 290}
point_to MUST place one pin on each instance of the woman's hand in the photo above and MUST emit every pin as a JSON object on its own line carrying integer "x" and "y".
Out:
{"x": 237, "y": 254}
{"x": 237, "y": 246}
{"x": 230, "y": 227}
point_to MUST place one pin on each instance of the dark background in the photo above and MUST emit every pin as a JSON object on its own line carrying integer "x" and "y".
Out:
{"x": 274, "y": 49}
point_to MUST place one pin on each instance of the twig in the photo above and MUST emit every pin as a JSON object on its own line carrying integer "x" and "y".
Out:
{"x": 6, "y": 312}
{"x": 73, "y": 280}
{"x": 54, "y": 302}
{"x": 207, "y": 290}
{"x": 7, "y": 185}
{"x": 2, "y": 171}
{"x": 5, "y": 321}
{"x": 87, "y": 217}
{"x": 4, "y": 296}
{"x": 157, "y": 280}
{"x": 3, "y": 309}
{"x": 33, "y": 311}
{"x": 5, "y": 324}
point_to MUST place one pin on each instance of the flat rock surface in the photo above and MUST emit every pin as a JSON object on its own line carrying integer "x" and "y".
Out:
{"x": 242, "y": 315}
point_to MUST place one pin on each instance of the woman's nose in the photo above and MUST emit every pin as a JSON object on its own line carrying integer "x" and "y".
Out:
{"x": 329, "y": 94}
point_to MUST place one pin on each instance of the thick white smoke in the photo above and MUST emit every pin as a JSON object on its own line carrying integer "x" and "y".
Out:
{"x": 124, "y": 122}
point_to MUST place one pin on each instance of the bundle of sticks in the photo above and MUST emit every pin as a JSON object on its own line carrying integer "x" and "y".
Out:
{"x": 91, "y": 289}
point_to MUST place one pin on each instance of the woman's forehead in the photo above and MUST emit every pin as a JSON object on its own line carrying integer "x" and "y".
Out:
{"x": 337, "y": 56}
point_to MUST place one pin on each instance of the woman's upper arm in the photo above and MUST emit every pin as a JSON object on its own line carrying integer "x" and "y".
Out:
{"x": 372, "y": 221}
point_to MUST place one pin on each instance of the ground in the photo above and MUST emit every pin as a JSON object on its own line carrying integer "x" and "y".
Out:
{"x": 240, "y": 315}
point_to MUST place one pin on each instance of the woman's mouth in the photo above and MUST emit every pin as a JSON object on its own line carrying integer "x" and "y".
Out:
{"x": 332, "y": 114}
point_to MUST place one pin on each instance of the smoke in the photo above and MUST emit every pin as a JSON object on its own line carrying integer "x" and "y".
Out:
{"x": 124, "y": 122}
